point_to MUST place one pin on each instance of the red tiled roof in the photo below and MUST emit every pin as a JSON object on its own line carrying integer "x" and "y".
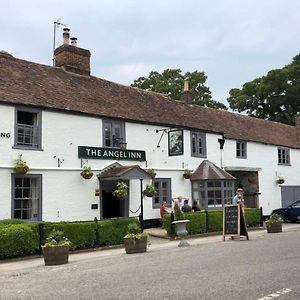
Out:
{"x": 27, "y": 83}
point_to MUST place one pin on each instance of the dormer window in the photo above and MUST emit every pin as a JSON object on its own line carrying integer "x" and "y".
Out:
{"x": 114, "y": 134}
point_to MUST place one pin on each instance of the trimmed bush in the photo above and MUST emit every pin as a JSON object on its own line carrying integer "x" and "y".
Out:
{"x": 252, "y": 216}
{"x": 81, "y": 234}
{"x": 113, "y": 230}
{"x": 8, "y": 222}
{"x": 197, "y": 222}
{"x": 18, "y": 240}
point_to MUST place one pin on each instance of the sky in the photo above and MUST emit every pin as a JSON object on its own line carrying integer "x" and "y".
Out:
{"x": 231, "y": 41}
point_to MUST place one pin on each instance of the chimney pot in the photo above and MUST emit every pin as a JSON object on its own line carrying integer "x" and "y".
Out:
{"x": 186, "y": 86}
{"x": 74, "y": 41}
{"x": 66, "y": 36}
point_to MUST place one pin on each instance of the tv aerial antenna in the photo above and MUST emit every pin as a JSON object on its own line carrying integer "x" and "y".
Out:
{"x": 56, "y": 25}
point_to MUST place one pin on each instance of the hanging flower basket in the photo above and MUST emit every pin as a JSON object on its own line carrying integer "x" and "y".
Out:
{"x": 187, "y": 174}
{"x": 122, "y": 190}
{"x": 87, "y": 172}
{"x": 151, "y": 172}
{"x": 280, "y": 180}
{"x": 150, "y": 190}
{"x": 21, "y": 166}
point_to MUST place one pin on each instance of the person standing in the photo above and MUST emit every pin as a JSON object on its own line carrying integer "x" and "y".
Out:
{"x": 195, "y": 206}
{"x": 239, "y": 198}
{"x": 180, "y": 201}
{"x": 186, "y": 207}
{"x": 163, "y": 209}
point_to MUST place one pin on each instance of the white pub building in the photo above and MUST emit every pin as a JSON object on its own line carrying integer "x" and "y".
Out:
{"x": 60, "y": 119}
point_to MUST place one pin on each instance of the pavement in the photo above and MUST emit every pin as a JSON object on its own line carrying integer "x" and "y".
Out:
{"x": 157, "y": 241}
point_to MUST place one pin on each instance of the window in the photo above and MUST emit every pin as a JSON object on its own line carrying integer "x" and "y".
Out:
{"x": 198, "y": 144}
{"x": 284, "y": 156}
{"x": 163, "y": 188}
{"x": 212, "y": 193}
{"x": 241, "y": 149}
{"x": 26, "y": 197}
{"x": 114, "y": 134}
{"x": 28, "y": 128}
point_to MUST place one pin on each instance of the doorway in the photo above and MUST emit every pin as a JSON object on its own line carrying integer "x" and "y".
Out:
{"x": 112, "y": 206}
{"x": 248, "y": 180}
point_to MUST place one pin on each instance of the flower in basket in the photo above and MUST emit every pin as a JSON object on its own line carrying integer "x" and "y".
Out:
{"x": 134, "y": 232}
{"x": 274, "y": 219}
{"x": 122, "y": 190}
{"x": 57, "y": 239}
{"x": 86, "y": 172}
{"x": 187, "y": 174}
{"x": 150, "y": 190}
{"x": 280, "y": 180}
{"x": 21, "y": 166}
{"x": 151, "y": 172}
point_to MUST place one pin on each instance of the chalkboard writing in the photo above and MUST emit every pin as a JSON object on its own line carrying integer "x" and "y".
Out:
{"x": 234, "y": 221}
{"x": 231, "y": 217}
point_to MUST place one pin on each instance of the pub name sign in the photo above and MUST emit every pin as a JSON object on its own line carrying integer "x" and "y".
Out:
{"x": 110, "y": 153}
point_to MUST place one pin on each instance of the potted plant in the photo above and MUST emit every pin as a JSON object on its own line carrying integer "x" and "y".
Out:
{"x": 151, "y": 172}
{"x": 180, "y": 225}
{"x": 56, "y": 249}
{"x": 280, "y": 180}
{"x": 122, "y": 190}
{"x": 274, "y": 224}
{"x": 187, "y": 174}
{"x": 86, "y": 172}
{"x": 134, "y": 240}
{"x": 21, "y": 166}
{"x": 150, "y": 190}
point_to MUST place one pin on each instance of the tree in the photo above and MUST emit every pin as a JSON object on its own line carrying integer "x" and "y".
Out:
{"x": 170, "y": 82}
{"x": 275, "y": 96}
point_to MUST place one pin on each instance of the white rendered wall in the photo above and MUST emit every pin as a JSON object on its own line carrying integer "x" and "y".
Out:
{"x": 67, "y": 196}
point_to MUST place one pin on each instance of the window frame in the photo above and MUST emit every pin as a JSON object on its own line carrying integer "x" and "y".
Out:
{"x": 242, "y": 155}
{"x": 169, "y": 191}
{"x": 285, "y": 153}
{"x": 205, "y": 189}
{"x": 39, "y": 128}
{"x": 199, "y": 135}
{"x": 39, "y": 179}
{"x": 112, "y": 123}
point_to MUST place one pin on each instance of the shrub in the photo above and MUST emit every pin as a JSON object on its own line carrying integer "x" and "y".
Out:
{"x": 197, "y": 222}
{"x": 81, "y": 234}
{"x": 18, "y": 240}
{"x": 113, "y": 230}
{"x": 252, "y": 216}
{"x": 8, "y": 222}
{"x": 178, "y": 214}
{"x": 57, "y": 239}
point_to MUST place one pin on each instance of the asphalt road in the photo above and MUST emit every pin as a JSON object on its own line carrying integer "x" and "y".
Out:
{"x": 254, "y": 269}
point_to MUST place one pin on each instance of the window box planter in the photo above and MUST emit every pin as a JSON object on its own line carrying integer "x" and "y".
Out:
{"x": 57, "y": 255}
{"x": 135, "y": 245}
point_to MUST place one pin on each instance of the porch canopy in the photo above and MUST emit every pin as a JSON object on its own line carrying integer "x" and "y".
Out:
{"x": 119, "y": 172}
{"x": 209, "y": 171}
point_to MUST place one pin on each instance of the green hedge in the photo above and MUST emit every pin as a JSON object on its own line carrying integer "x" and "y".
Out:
{"x": 23, "y": 239}
{"x": 81, "y": 234}
{"x": 8, "y": 222}
{"x": 197, "y": 222}
{"x": 18, "y": 240}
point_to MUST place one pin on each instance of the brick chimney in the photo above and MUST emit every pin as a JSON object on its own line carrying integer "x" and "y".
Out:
{"x": 72, "y": 58}
{"x": 186, "y": 95}
{"x": 297, "y": 124}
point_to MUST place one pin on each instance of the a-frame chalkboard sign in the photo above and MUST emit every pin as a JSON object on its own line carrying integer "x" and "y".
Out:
{"x": 234, "y": 222}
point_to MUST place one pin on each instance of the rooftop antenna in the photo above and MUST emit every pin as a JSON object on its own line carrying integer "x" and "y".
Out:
{"x": 56, "y": 25}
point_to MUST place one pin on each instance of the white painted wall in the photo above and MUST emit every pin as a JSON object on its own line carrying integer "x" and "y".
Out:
{"x": 67, "y": 196}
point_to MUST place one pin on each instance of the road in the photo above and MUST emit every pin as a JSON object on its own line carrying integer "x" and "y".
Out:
{"x": 254, "y": 269}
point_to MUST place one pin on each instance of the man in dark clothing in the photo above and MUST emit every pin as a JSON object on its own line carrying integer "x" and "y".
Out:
{"x": 186, "y": 207}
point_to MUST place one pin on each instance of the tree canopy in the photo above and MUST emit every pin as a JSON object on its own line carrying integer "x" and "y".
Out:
{"x": 171, "y": 81}
{"x": 275, "y": 96}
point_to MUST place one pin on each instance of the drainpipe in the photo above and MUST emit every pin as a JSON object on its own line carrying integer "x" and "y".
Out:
{"x": 141, "y": 215}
